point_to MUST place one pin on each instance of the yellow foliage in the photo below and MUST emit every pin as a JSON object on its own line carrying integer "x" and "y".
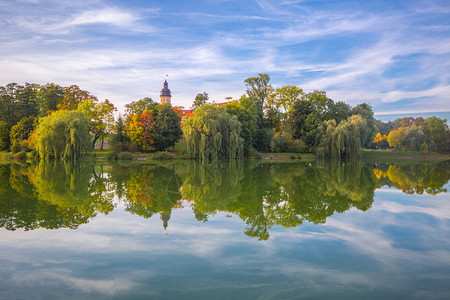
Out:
{"x": 379, "y": 173}
{"x": 379, "y": 138}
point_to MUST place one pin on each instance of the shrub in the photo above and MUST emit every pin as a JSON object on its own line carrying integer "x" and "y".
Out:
{"x": 296, "y": 146}
{"x": 113, "y": 156}
{"x": 424, "y": 148}
{"x": 125, "y": 156}
{"x": 163, "y": 155}
{"x": 296, "y": 156}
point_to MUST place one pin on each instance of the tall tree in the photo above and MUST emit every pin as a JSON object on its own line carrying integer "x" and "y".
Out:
{"x": 48, "y": 98}
{"x": 101, "y": 115}
{"x": 200, "y": 100}
{"x": 73, "y": 96}
{"x": 343, "y": 140}
{"x": 27, "y": 104}
{"x": 63, "y": 134}
{"x": 119, "y": 134}
{"x": 258, "y": 89}
{"x": 213, "y": 134}
{"x": 280, "y": 104}
{"x": 248, "y": 122}
{"x": 138, "y": 107}
{"x": 8, "y": 104}
{"x": 4, "y": 136}
{"x": 22, "y": 130}
{"x": 140, "y": 129}
{"x": 436, "y": 128}
{"x": 365, "y": 111}
{"x": 167, "y": 127}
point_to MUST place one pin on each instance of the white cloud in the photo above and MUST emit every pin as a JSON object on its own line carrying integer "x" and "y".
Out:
{"x": 113, "y": 16}
{"x": 283, "y": 40}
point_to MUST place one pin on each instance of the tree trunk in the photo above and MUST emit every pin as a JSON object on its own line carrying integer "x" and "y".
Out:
{"x": 96, "y": 136}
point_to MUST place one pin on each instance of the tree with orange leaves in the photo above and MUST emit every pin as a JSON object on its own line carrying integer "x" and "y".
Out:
{"x": 140, "y": 129}
{"x": 73, "y": 96}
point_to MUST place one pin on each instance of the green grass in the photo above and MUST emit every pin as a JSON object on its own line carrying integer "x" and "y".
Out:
{"x": 286, "y": 156}
{"x": 386, "y": 156}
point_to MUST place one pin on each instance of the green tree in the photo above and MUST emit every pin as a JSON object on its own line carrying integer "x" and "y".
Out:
{"x": 48, "y": 98}
{"x": 258, "y": 92}
{"x": 280, "y": 104}
{"x": 27, "y": 104}
{"x": 118, "y": 135}
{"x": 297, "y": 119}
{"x": 369, "y": 131}
{"x": 167, "y": 127}
{"x": 4, "y": 136}
{"x": 436, "y": 128}
{"x": 343, "y": 140}
{"x": 101, "y": 115}
{"x": 138, "y": 107}
{"x": 285, "y": 97}
{"x": 319, "y": 108}
{"x": 258, "y": 89}
{"x": 213, "y": 134}
{"x": 22, "y": 130}
{"x": 248, "y": 122}
{"x": 9, "y": 104}
{"x": 200, "y": 100}
{"x": 384, "y": 128}
{"x": 424, "y": 148}
{"x": 63, "y": 134}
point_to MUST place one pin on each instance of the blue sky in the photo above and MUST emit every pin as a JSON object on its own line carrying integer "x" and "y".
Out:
{"x": 394, "y": 55}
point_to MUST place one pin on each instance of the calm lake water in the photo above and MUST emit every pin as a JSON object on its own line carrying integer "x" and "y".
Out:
{"x": 248, "y": 230}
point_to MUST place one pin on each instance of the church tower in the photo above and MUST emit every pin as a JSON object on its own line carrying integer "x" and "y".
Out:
{"x": 165, "y": 95}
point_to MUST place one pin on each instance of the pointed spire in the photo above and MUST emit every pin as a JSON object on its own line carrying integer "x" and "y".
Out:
{"x": 165, "y": 218}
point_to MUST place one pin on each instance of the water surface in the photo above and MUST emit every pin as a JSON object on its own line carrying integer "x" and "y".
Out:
{"x": 246, "y": 230}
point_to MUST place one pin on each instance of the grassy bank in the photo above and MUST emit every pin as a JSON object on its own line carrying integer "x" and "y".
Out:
{"x": 177, "y": 154}
{"x": 387, "y": 156}
{"x": 379, "y": 156}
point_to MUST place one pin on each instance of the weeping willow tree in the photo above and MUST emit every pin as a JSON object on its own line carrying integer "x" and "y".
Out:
{"x": 63, "y": 135}
{"x": 343, "y": 140}
{"x": 213, "y": 134}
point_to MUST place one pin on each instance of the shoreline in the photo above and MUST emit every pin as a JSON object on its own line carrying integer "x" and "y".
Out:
{"x": 367, "y": 156}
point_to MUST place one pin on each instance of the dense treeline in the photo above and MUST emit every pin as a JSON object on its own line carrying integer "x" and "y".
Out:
{"x": 287, "y": 119}
{"x": 66, "y": 122}
{"x": 53, "y": 121}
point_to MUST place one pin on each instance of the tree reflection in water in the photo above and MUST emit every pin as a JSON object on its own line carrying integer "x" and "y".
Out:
{"x": 265, "y": 195}
{"x": 56, "y": 194}
{"x": 416, "y": 178}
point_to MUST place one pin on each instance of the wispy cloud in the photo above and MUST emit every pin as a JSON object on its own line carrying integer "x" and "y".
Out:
{"x": 352, "y": 52}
